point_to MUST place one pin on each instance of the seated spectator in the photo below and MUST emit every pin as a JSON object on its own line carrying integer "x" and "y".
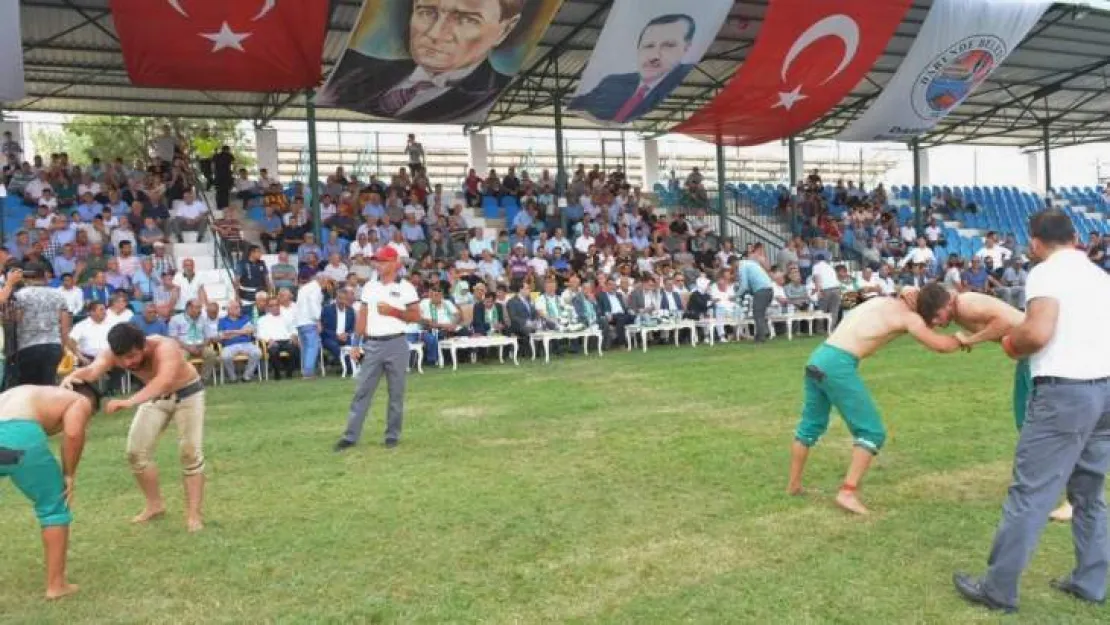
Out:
{"x": 337, "y": 323}
{"x": 150, "y": 322}
{"x": 119, "y": 309}
{"x": 441, "y": 320}
{"x": 189, "y": 283}
{"x": 490, "y": 318}
{"x": 309, "y": 249}
{"x": 190, "y": 215}
{"x": 913, "y": 275}
{"x": 98, "y": 289}
{"x": 192, "y": 332}
{"x": 74, "y": 296}
{"x": 975, "y": 279}
{"x": 611, "y": 308}
{"x": 551, "y": 312}
{"x": 294, "y": 233}
{"x": 90, "y": 336}
{"x": 995, "y": 252}
{"x": 272, "y": 230}
{"x": 167, "y": 293}
{"x": 869, "y": 285}
{"x": 212, "y": 317}
{"x": 280, "y": 337}
{"x": 236, "y": 335}
{"x": 335, "y": 269}
{"x": 284, "y": 272}
{"x": 490, "y": 268}
{"x": 523, "y": 318}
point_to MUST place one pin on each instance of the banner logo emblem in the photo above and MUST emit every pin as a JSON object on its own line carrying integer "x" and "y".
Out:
{"x": 954, "y": 74}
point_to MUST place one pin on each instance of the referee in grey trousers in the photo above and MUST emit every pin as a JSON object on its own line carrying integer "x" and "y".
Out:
{"x": 1065, "y": 442}
{"x": 388, "y": 306}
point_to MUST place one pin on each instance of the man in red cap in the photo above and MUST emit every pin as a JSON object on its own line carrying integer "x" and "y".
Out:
{"x": 388, "y": 306}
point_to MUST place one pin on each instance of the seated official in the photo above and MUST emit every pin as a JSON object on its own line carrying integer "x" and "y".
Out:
{"x": 612, "y": 308}
{"x": 549, "y": 306}
{"x": 523, "y": 318}
{"x": 489, "y": 316}
{"x": 337, "y": 323}
{"x": 280, "y": 338}
{"x": 440, "y": 320}
{"x": 236, "y": 336}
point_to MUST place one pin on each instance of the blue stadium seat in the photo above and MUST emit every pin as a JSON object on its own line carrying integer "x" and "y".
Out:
{"x": 490, "y": 208}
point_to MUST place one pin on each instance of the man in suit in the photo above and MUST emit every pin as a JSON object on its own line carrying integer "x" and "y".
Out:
{"x": 623, "y": 98}
{"x": 612, "y": 307}
{"x": 645, "y": 298}
{"x": 489, "y": 316}
{"x": 670, "y": 298}
{"x": 337, "y": 323}
{"x": 448, "y": 76}
{"x": 523, "y": 320}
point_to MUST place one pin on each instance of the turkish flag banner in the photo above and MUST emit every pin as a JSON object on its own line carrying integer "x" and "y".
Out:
{"x": 241, "y": 45}
{"x": 808, "y": 55}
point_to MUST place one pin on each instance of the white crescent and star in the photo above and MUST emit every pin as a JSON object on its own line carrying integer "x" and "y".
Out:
{"x": 840, "y": 26}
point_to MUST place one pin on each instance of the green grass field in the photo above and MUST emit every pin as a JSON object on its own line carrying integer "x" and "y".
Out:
{"x": 629, "y": 489}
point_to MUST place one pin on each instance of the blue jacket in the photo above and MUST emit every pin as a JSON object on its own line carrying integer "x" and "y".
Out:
{"x": 328, "y": 318}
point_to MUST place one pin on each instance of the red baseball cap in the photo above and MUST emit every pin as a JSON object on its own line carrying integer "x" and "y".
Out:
{"x": 386, "y": 254}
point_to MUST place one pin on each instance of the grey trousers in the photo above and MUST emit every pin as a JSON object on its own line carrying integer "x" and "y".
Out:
{"x": 380, "y": 357}
{"x": 829, "y": 302}
{"x": 1013, "y": 295}
{"x": 761, "y": 300}
{"x": 1065, "y": 443}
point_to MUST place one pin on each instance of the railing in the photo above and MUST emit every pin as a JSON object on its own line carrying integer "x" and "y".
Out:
{"x": 219, "y": 247}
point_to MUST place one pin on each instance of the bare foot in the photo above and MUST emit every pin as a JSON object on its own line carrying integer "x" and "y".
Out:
{"x": 848, "y": 500}
{"x": 149, "y": 515}
{"x": 68, "y": 589}
{"x": 194, "y": 525}
{"x": 795, "y": 490}
{"x": 1062, "y": 514}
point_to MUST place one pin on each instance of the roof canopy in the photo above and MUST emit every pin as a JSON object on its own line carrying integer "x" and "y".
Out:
{"x": 1059, "y": 76}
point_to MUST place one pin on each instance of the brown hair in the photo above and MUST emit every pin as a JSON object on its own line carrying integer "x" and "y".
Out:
{"x": 931, "y": 300}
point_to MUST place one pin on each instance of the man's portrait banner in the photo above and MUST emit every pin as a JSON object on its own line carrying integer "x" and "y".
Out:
{"x": 435, "y": 61}
{"x": 645, "y": 51}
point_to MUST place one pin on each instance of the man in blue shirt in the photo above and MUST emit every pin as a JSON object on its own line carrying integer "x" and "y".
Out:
{"x": 98, "y": 289}
{"x": 374, "y": 210}
{"x": 308, "y": 247}
{"x": 975, "y": 278}
{"x": 150, "y": 323}
{"x": 411, "y": 230}
{"x": 89, "y": 208}
{"x": 66, "y": 262}
{"x": 752, "y": 278}
{"x": 236, "y": 335}
{"x": 271, "y": 227}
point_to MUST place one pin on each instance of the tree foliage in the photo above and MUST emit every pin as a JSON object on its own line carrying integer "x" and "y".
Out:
{"x": 88, "y": 136}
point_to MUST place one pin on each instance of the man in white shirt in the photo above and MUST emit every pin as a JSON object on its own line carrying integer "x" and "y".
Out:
{"x": 478, "y": 244}
{"x": 189, "y": 283}
{"x": 190, "y": 214}
{"x": 869, "y": 285}
{"x": 89, "y": 336}
{"x": 280, "y": 338}
{"x": 909, "y": 234}
{"x": 388, "y": 306}
{"x": 1065, "y": 440}
{"x": 310, "y": 302}
{"x": 920, "y": 255}
{"x": 992, "y": 250}
{"x": 827, "y": 288}
{"x": 361, "y": 250}
{"x": 583, "y": 242}
{"x": 489, "y": 268}
{"x": 74, "y": 296}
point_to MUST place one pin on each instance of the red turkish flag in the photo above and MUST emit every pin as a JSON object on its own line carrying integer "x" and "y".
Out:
{"x": 808, "y": 55}
{"x": 227, "y": 45}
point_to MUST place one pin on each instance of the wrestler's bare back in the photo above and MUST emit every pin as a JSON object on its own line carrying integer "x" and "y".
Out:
{"x": 45, "y": 404}
{"x": 873, "y": 324}
{"x": 975, "y": 311}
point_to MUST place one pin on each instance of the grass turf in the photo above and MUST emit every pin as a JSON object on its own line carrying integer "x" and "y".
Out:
{"x": 630, "y": 489}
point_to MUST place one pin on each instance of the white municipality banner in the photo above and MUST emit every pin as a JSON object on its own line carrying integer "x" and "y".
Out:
{"x": 645, "y": 51}
{"x": 11, "y": 53}
{"x": 958, "y": 47}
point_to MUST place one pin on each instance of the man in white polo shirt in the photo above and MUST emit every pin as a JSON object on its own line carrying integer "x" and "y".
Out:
{"x": 190, "y": 215}
{"x": 827, "y": 286}
{"x": 388, "y": 307}
{"x": 1065, "y": 441}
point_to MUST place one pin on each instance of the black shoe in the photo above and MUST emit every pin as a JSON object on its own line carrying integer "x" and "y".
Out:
{"x": 390, "y": 444}
{"x": 1068, "y": 588}
{"x": 971, "y": 589}
{"x": 343, "y": 445}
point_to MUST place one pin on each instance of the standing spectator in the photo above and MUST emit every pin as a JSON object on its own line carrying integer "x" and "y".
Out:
{"x": 415, "y": 152}
{"x": 236, "y": 335}
{"x": 827, "y": 287}
{"x": 280, "y": 338}
{"x": 253, "y": 276}
{"x": 1065, "y": 440}
{"x": 164, "y": 147}
{"x": 310, "y": 303}
{"x": 222, "y": 178}
{"x": 189, "y": 283}
{"x": 192, "y": 215}
{"x": 42, "y": 327}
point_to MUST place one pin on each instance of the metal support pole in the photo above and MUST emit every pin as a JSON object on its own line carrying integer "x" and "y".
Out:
{"x": 1047, "y": 160}
{"x": 560, "y": 164}
{"x": 916, "y": 147}
{"x": 792, "y": 148}
{"x": 721, "y": 186}
{"x": 313, "y": 166}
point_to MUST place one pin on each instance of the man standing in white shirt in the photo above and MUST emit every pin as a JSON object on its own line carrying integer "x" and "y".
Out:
{"x": 191, "y": 215}
{"x": 992, "y": 250}
{"x": 1065, "y": 440}
{"x": 920, "y": 255}
{"x": 310, "y": 303}
{"x": 388, "y": 307}
{"x": 827, "y": 287}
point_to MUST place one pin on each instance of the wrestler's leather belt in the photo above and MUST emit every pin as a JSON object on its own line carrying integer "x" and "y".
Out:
{"x": 185, "y": 392}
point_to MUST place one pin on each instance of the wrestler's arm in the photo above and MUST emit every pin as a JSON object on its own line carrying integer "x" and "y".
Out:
{"x": 98, "y": 368}
{"x": 167, "y": 365}
{"x": 1037, "y": 330}
{"x": 940, "y": 343}
{"x": 75, "y": 422}
{"x": 995, "y": 330}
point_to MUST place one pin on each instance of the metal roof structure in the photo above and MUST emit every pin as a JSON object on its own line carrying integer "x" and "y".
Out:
{"x": 1058, "y": 79}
